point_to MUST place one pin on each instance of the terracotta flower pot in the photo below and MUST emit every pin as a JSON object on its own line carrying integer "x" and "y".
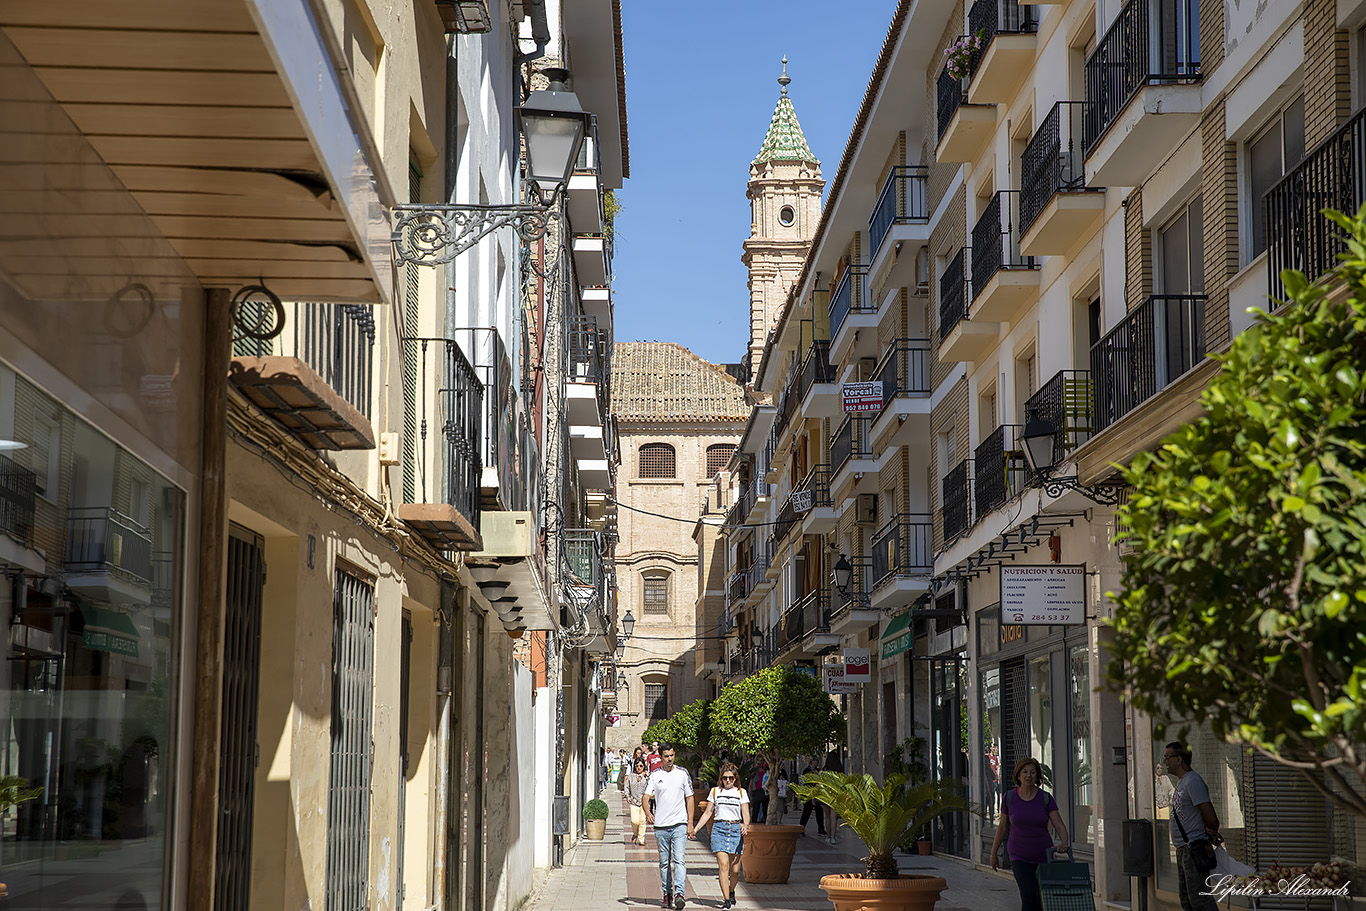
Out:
{"x": 768, "y": 853}
{"x": 923, "y": 846}
{"x": 908, "y": 892}
{"x": 595, "y": 829}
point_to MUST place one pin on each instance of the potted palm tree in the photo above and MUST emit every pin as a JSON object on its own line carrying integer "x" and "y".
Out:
{"x": 881, "y": 816}
{"x": 774, "y": 715}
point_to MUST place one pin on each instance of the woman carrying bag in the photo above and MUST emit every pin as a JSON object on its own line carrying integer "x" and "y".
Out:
{"x": 635, "y": 795}
{"x": 730, "y": 802}
{"x": 1026, "y": 813}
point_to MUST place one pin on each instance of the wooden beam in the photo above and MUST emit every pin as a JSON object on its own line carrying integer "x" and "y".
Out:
{"x": 285, "y": 154}
{"x": 175, "y": 15}
{"x": 131, "y": 49}
{"x": 185, "y": 120}
{"x": 103, "y": 86}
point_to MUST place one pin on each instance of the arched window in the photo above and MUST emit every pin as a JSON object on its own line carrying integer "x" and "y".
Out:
{"x": 718, "y": 457}
{"x": 657, "y": 460}
{"x": 655, "y": 586}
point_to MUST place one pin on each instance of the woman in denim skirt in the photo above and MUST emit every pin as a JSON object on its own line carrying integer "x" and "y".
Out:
{"x": 729, "y": 802}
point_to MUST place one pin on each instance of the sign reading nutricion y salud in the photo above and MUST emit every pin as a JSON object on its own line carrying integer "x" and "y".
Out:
{"x": 861, "y": 398}
{"x": 1051, "y": 594}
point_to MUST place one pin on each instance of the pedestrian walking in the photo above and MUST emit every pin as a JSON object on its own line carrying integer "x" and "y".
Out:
{"x": 833, "y": 763}
{"x": 730, "y": 804}
{"x": 758, "y": 797}
{"x": 652, "y": 758}
{"x": 610, "y": 767}
{"x": 1026, "y": 813}
{"x": 671, "y": 788}
{"x": 811, "y": 806}
{"x": 1192, "y": 820}
{"x": 636, "y": 780}
{"x": 782, "y": 791}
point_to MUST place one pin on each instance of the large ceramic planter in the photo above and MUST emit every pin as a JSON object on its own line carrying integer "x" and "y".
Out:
{"x": 595, "y": 829}
{"x": 768, "y": 853}
{"x": 908, "y": 892}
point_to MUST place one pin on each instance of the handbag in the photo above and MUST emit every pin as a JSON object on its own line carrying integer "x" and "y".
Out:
{"x": 1202, "y": 849}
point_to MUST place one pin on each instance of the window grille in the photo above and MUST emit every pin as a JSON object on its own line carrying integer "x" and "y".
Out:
{"x": 348, "y": 797}
{"x": 656, "y": 594}
{"x": 656, "y": 701}
{"x": 718, "y": 457}
{"x": 657, "y": 461}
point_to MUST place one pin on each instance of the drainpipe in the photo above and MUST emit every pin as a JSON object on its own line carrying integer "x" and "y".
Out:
{"x": 540, "y": 31}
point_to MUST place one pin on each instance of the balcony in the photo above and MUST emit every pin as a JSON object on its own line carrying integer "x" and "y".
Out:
{"x": 852, "y": 611}
{"x": 812, "y": 502}
{"x": 817, "y": 637}
{"x": 315, "y": 377}
{"x": 961, "y": 338}
{"x": 1004, "y": 281}
{"x": 905, "y": 377}
{"x": 851, "y": 447}
{"x": 725, "y": 624}
{"x": 18, "y": 497}
{"x": 1065, "y": 402}
{"x": 1009, "y": 29}
{"x": 790, "y": 631}
{"x": 592, "y": 258}
{"x": 1058, "y": 212}
{"x": 851, "y": 309}
{"x": 108, "y": 556}
{"x": 902, "y": 210}
{"x": 964, "y": 129}
{"x": 453, "y": 522}
{"x": 508, "y": 447}
{"x": 783, "y": 525}
{"x": 583, "y": 195}
{"x": 902, "y": 561}
{"x": 588, "y": 383}
{"x": 738, "y": 587}
{"x": 820, "y": 394}
{"x": 586, "y": 582}
{"x": 1155, "y": 344}
{"x": 1142, "y": 90}
{"x": 759, "y": 579}
{"x": 955, "y": 507}
{"x": 1000, "y": 470}
{"x": 1331, "y": 176}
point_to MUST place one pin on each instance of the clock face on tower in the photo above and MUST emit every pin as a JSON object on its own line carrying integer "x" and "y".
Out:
{"x": 786, "y": 216}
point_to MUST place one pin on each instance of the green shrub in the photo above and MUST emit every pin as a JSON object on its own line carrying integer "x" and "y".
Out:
{"x": 595, "y": 809}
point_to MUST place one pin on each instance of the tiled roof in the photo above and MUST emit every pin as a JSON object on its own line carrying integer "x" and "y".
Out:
{"x": 664, "y": 382}
{"x": 785, "y": 140}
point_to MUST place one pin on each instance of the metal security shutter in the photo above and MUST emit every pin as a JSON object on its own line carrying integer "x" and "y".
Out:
{"x": 1014, "y": 719}
{"x": 237, "y": 732}
{"x": 1291, "y": 824}
{"x": 348, "y": 796}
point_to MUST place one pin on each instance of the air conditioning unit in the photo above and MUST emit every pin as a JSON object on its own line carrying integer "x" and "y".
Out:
{"x": 866, "y": 366}
{"x": 865, "y": 509}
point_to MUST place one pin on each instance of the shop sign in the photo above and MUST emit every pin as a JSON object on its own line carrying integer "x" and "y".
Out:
{"x": 858, "y": 665}
{"x": 613, "y": 720}
{"x": 803, "y": 500}
{"x": 1050, "y": 594}
{"x": 896, "y": 638}
{"x": 100, "y": 641}
{"x": 835, "y": 682}
{"x": 861, "y": 398}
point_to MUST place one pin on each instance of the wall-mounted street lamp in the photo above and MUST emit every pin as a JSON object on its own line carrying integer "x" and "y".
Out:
{"x": 844, "y": 571}
{"x": 621, "y": 649}
{"x": 628, "y": 623}
{"x": 1040, "y": 443}
{"x": 552, "y": 124}
{"x": 621, "y": 681}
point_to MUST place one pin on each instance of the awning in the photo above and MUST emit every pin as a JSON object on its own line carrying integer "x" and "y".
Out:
{"x": 109, "y": 631}
{"x": 896, "y": 635}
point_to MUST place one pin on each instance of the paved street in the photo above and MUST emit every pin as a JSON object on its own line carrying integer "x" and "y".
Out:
{"x": 614, "y": 874}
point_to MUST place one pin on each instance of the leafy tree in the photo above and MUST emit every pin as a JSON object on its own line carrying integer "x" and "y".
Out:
{"x": 1244, "y": 597}
{"x": 776, "y": 714}
{"x": 882, "y": 816}
{"x": 662, "y": 730}
{"x": 691, "y": 729}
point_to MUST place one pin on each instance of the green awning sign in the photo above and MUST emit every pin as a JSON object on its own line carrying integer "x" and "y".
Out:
{"x": 109, "y": 631}
{"x": 100, "y": 641}
{"x": 896, "y": 636}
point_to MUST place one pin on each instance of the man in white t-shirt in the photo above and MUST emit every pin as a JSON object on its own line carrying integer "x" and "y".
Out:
{"x": 672, "y": 816}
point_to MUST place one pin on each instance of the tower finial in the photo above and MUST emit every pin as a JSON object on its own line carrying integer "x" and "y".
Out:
{"x": 783, "y": 80}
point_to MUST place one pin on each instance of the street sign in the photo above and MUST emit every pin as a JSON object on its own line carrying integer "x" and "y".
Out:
{"x": 835, "y": 682}
{"x": 858, "y": 666}
{"x": 803, "y": 500}
{"x": 861, "y": 398}
{"x": 1050, "y": 594}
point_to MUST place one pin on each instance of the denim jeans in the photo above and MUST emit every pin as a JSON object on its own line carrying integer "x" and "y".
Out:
{"x": 1027, "y": 879}
{"x": 673, "y": 842}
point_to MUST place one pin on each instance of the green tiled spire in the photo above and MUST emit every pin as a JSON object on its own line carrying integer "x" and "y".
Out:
{"x": 785, "y": 140}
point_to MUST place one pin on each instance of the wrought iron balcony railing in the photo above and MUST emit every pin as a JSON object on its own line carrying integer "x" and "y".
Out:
{"x": 586, "y": 351}
{"x": 1136, "y": 52}
{"x": 949, "y": 96}
{"x": 739, "y": 584}
{"x": 336, "y": 340}
{"x": 757, "y": 573}
{"x": 1000, "y": 469}
{"x": 905, "y": 371}
{"x": 989, "y": 18}
{"x": 18, "y": 497}
{"x": 725, "y": 623}
{"x": 1155, "y": 344}
{"x": 100, "y": 539}
{"x": 851, "y": 296}
{"x": 1065, "y": 402}
{"x": 1052, "y": 161}
{"x": 583, "y": 548}
{"x": 851, "y": 441}
{"x": 814, "y": 489}
{"x": 855, "y": 594}
{"x": 816, "y": 366}
{"x": 1331, "y": 176}
{"x": 956, "y": 501}
{"x": 996, "y": 240}
{"x": 953, "y": 294}
{"x": 903, "y": 201}
{"x": 790, "y": 629}
{"x": 902, "y": 548}
{"x": 815, "y": 608}
{"x": 783, "y": 525}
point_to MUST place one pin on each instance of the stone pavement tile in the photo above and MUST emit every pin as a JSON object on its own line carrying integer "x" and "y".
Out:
{"x": 612, "y": 875}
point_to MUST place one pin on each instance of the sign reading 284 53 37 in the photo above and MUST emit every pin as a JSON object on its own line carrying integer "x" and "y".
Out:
{"x": 1046, "y": 595}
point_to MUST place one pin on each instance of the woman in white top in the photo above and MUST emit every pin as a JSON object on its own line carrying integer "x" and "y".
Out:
{"x": 729, "y": 802}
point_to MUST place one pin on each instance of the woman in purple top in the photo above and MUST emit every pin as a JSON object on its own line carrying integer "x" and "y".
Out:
{"x": 1026, "y": 813}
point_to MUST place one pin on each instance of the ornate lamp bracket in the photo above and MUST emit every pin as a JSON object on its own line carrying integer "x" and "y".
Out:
{"x": 429, "y": 235}
{"x": 1106, "y": 494}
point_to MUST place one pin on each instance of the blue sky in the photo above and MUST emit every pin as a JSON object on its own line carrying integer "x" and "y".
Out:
{"x": 701, "y": 84}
